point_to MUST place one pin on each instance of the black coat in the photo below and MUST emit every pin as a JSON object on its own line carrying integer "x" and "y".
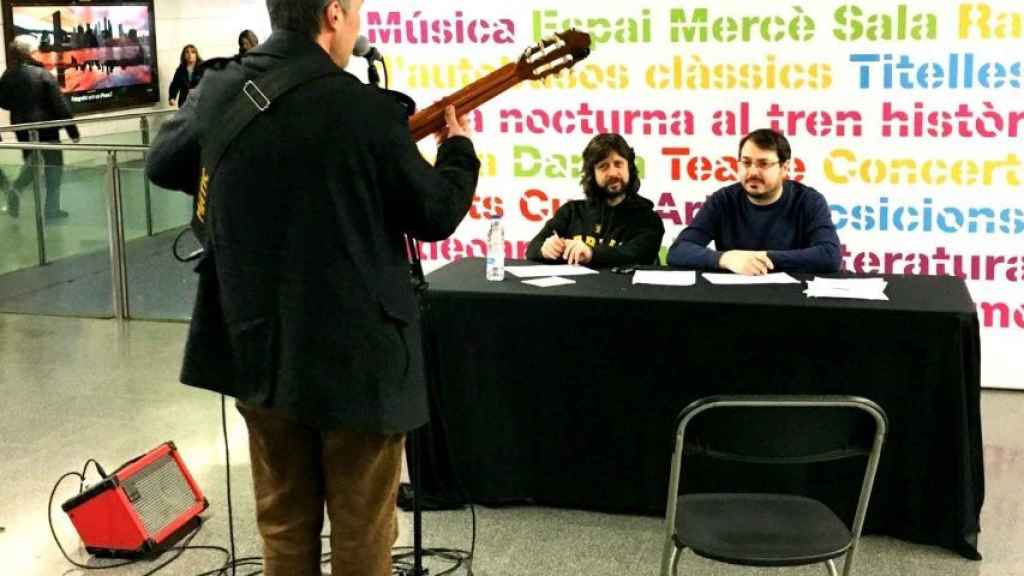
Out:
{"x": 628, "y": 233}
{"x": 307, "y": 305}
{"x": 32, "y": 95}
{"x": 182, "y": 83}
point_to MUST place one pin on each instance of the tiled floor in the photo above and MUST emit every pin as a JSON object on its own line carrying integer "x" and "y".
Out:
{"x": 78, "y": 389}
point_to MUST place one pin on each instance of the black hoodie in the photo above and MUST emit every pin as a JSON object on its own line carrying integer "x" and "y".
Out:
{"x": 627, "y": 234}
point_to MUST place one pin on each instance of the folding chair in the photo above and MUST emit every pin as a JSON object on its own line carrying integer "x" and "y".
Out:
{"x": 770, "y": 529}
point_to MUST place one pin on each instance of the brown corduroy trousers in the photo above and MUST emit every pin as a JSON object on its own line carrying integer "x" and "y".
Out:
{"x": 298, "y": 469}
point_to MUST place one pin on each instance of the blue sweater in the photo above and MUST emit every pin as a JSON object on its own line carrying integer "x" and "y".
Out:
{"x": 796, "y": 231}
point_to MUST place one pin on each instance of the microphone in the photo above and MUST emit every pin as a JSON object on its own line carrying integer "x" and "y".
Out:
{"x": 363, "y": 49}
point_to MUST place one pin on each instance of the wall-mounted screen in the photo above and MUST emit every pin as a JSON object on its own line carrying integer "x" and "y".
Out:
{"x": 102, "y": 53}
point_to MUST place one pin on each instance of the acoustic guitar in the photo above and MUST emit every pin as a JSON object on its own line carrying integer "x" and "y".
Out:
{"x": 550, "y": 56}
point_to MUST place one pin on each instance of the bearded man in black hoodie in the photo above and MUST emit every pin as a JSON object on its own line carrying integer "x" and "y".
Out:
{"x": 614, "y": 226}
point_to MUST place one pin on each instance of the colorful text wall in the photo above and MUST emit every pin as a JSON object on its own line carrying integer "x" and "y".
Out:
{"x": 908, "y": 117}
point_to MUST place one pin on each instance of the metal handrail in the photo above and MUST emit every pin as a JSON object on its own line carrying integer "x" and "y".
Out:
{"x": 71, "y": 147}
{"x": 86, "y": 120}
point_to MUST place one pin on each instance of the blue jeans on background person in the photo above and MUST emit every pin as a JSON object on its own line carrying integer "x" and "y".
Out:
{"x": 53, "y": 163}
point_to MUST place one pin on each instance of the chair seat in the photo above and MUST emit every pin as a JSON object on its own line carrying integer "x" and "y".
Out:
{"x": 760, "y": 529}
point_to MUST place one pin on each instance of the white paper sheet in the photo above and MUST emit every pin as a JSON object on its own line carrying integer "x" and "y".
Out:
{"x": 773, "y": 278}
{"x": 853, "y": 288}
{"x": 665, "y": 277}
{"x": 549, "y": 281}
{"x": 548, "y": 270}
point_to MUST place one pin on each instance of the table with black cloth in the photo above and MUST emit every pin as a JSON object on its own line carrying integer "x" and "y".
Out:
{"x": 567, "y": 396}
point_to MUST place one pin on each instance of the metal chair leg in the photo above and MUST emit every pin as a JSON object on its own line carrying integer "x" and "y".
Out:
{"x": 831, "y": 567}
{"x": 668, "y": 550}
{"x": 676, "y": 553}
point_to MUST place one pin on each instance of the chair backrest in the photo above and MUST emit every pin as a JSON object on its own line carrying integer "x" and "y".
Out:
{"x": 780, "y": 429}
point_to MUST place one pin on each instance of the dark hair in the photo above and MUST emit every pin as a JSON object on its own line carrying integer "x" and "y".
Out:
{"x": 247, "y": 35}
{"x": 302, "y": 16}
{"x": 767, "y": 139}
{"x": 598, "y": 149}
{"x": 199, "y": 59}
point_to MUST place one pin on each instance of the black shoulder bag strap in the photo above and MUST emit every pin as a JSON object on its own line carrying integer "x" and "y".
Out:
{"x": 256, "y": 97}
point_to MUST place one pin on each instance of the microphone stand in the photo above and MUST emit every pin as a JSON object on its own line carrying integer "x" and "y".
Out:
{"x": 371, "y": 73}
{"x": 419, "y": 284}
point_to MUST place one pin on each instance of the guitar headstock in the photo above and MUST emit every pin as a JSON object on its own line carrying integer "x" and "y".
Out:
{"x": 553, "y": 54}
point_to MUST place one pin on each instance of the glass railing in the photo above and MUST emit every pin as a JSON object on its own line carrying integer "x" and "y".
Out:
{"x": 159, "y": 286}
{"x": 55, "y": 248}
{"x": 86, "y": 234}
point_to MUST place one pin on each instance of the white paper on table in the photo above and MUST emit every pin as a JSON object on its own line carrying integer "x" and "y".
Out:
{"x": 853, "y": 288}
{"x": 549, "y": 270}
{"x": 773, "y": 278}
{"x": 849, "y": 295}
{"x": 849, "y": 283}
{"x": 549, "y": 281}
{"x": 665, "y": 277}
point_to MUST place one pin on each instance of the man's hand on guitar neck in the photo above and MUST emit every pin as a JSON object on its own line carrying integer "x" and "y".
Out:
{"x": 454, "y": 126}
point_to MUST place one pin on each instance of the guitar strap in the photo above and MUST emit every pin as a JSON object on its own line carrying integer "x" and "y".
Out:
{"x": 256, "y": 97}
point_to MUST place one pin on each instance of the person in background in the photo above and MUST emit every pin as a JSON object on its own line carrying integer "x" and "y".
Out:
{"x": 247, "y": 40}
{"x": 186, "y": 77}
{"x": 614, "y": 225}
{"x": 763, "y": 223}
{"x": 31, "y": 94}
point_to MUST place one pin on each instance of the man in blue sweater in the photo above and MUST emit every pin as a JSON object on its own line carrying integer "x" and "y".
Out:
{"x": 764, "y": 222}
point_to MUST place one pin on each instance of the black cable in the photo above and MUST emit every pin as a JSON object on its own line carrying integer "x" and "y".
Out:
{"x": 85, "y": 468}
{"x": 462, "y": 492}
{"x": 402, "y": 565}
{"x": 227, "y": 469}
{"x": 181, "y": 550}
{"x": 49, "y": 517}
{"x": 191, "y": 255}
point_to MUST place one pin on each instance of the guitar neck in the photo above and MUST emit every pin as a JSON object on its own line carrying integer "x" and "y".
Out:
{"x": 465, "y": 100}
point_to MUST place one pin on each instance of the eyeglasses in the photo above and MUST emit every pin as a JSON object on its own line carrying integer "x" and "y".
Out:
{"x": 760, "y": 164}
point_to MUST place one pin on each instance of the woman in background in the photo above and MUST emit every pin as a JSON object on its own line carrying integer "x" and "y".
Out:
{"x": 247, "y": 40}
{"x": 186, "y": 76}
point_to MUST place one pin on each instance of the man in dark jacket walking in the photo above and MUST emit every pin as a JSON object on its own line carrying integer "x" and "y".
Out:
{"x": 614, "y": 226}
{"x": 305, "y": 312}
{"x": 32, "y": 95}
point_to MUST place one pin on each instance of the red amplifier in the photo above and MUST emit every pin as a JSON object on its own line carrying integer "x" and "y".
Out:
{"x": 146, "y": 505}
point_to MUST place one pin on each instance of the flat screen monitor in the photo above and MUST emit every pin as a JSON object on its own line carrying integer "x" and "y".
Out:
{"x": 102, "y": 53}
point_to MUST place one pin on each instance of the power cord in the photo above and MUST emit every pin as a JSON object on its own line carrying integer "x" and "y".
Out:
{"x": 193, "y": 255}
{"x": 227, "y": 470}
{"x": 449, "y": 554}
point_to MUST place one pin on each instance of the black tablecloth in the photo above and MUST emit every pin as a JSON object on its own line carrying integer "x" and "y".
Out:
{"x": 567, "y": 396}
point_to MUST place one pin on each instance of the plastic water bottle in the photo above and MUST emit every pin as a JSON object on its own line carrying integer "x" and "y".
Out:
{"x": 495, "y": 251}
